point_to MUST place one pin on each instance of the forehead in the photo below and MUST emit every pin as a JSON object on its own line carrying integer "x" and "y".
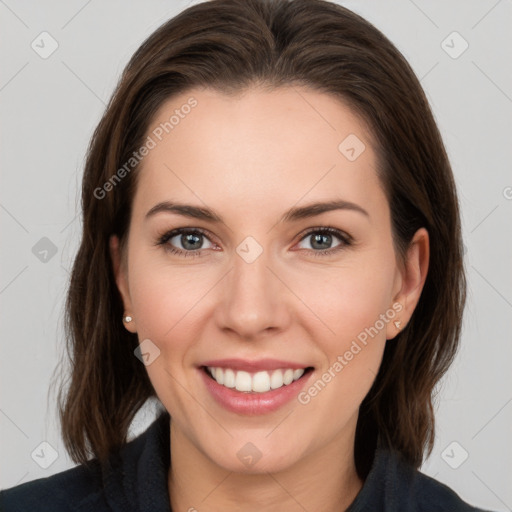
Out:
{"x": 259, "y": 150}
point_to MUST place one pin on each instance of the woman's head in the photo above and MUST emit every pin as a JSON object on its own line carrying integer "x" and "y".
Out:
{"x": 249, "y": 110}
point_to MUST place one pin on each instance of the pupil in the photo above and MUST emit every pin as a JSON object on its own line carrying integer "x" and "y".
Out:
{"x": 185, "y": 239}
{"x": 319, "y": 238}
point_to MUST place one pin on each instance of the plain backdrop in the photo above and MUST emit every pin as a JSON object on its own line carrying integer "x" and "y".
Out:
{"x": 50, "y": 104}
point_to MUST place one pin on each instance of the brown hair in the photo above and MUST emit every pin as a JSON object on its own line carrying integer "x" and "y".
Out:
{"x": 230, "y": 45}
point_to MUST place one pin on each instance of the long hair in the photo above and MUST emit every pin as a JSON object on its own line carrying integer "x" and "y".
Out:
{"x": 230, "y": 45}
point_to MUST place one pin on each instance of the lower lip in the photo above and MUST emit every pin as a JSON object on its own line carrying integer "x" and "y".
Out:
{"x": 251, "y": 404}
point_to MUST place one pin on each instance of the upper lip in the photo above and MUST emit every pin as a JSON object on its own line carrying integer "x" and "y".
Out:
{"x": 256, "y": 365}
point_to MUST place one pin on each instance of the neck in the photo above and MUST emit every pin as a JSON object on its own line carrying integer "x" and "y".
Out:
{"x": 325, "y": 479}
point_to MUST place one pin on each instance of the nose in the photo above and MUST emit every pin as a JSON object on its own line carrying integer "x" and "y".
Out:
{"x": 253, "y": 301}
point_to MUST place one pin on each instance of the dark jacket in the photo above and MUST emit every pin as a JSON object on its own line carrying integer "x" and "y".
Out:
{"x": 136, "y": 481}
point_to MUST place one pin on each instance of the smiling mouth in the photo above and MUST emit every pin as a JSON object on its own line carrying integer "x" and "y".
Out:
{"x": 255, "y": 382}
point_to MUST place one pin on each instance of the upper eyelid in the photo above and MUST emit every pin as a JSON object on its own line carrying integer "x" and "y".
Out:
{"x": 328, "y": 229}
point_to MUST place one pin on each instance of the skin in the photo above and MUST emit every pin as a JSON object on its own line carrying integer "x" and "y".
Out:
{"x": 250, "y": 158}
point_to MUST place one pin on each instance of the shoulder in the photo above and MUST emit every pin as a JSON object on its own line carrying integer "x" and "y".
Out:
{"x": 426, "y": 493}
{"x": 78, "y": 488}
{"x": 134, "y": 476}
{"x": 394, "y": 484}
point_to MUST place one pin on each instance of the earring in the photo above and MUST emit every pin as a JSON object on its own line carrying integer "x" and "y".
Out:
{"x": 398, "y": 325}
{"x": 127, "y": 319}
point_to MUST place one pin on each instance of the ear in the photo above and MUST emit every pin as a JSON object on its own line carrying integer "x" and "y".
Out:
{"x": 121, "y": 277}
{"x": 410, "y": 281}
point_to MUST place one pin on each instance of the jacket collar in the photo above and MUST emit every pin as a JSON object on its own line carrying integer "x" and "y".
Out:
{"x": 136, "y": 479}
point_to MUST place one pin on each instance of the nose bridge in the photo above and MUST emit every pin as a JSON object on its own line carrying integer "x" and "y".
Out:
{"x": 252, "y": 300}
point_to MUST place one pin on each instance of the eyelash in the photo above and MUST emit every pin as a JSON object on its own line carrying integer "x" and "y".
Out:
{"x": 345, "y": 239}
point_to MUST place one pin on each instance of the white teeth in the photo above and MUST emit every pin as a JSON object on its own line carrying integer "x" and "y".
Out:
{"x": 219, "y": 375}
{"x": 276, "y": 380}
{"x": 288, "y": 376}
{"x": 242, "y": 382}
{"x": 259, "y": 382}
{"x": 297, "y": 374}
{"x": 229, "y": 377}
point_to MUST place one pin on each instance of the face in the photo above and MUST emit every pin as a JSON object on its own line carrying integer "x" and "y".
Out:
{"x": 262, "y": 283}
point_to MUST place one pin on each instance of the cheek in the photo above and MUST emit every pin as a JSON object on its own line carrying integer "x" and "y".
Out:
{"x": 348, "y": 299}
{"x": 339, "y": 300}
{"x": 352, "y": 338}
{"x": 354, "y": 304}
{"x": 168, "y": 304}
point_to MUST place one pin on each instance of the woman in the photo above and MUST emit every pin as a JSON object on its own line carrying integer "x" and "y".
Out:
{"x": 271, "y": 248}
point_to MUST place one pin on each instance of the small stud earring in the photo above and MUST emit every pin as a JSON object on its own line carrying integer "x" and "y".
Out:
{"x": 398, "y": 324}
{"x": 127, "y": 319}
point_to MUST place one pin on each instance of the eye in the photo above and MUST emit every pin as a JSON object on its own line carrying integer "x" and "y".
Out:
{"x": 189, "y": 241}
{"x": 185, "y": 241}
{"x": 321, "y": 240}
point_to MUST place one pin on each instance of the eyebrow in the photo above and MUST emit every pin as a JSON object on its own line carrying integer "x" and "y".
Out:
{"x": 293, "y": 214}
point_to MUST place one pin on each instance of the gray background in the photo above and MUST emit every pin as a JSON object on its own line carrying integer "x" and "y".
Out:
{"x": 49, "y": 108}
